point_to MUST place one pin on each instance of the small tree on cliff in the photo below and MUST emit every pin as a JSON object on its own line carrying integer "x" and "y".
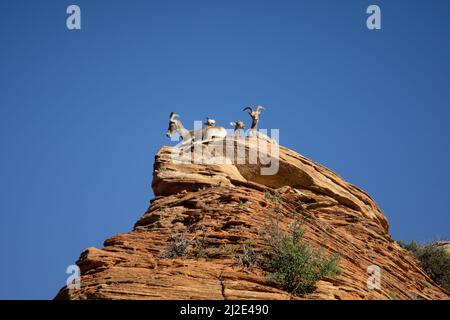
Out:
{"x": 434, "y": 259}
{"x": 292, "y": 262}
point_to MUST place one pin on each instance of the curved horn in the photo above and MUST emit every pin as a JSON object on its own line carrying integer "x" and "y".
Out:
{"x": 249, "y": 109}
{"x": 259, "y": 108}
{"x": 172, "y": 116}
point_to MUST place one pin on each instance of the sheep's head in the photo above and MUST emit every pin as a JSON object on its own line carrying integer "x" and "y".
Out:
{"x": 254, "y": 113}
{"x": 210, "y": 122}
{"x": 174, "y": 124}
{"x": 238, "y": 125}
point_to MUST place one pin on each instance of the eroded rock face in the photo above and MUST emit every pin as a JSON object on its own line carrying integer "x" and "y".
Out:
{"x": 217, "y": 208}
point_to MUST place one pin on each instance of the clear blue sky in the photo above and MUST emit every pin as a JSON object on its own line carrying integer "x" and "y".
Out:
{"x": 82, "y": 113}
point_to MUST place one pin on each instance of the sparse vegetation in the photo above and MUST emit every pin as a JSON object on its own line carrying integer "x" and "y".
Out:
{"x": 180, "y": 246}
{"x": 199, "y": 247}
{"x": 412, "y": 246}
{"x": 392, "y": 296}
{"x": 242, "y": 203}
{"x": 434, "y": 259}
{"x": 230, "y": 248}
{"x": 292, "y": 263}
{"x": 248, "y": 258}
{"x": 177, "y": 246}
{"x": 274, "y": 197}
{"x": 287, "y": 259}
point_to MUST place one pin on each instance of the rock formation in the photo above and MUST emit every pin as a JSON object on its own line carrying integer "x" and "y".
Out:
{"x": 212, "y": 209}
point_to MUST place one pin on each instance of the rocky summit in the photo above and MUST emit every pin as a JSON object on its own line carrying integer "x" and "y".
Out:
{"x": 188, "y": 243}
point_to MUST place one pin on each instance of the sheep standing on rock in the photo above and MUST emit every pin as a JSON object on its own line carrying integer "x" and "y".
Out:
{"x": 253, "y": 132}
{"x": 175, "y": 125}
{"x": 254, "y": 114}
{"x": 210, "y": 130}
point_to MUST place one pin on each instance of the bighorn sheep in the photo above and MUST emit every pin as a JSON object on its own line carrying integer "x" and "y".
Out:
{"x": 253, "y": 132}
{"x": 176, "y": 125}
{"x": 208, "y": 132}
{"x": 238, "y": 126}
{"x": 254, "y": 114}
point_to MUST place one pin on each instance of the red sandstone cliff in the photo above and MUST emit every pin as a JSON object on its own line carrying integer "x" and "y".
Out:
{"x": 227, "y": 205}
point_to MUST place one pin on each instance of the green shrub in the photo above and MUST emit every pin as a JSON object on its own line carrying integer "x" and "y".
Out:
{"x": 412, "y": 246}
{"x": 273, "y": 197}
{"x": 434, "y": 259}
{"x": 392, "y": 295}
{"x": 293, "y": 264}
{"x": 242, "y": 203}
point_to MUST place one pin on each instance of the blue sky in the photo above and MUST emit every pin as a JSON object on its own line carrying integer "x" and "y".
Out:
{"x": 82, "y": 113}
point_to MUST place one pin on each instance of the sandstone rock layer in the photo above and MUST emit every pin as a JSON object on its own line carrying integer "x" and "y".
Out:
{"x": 216, "y": 208}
